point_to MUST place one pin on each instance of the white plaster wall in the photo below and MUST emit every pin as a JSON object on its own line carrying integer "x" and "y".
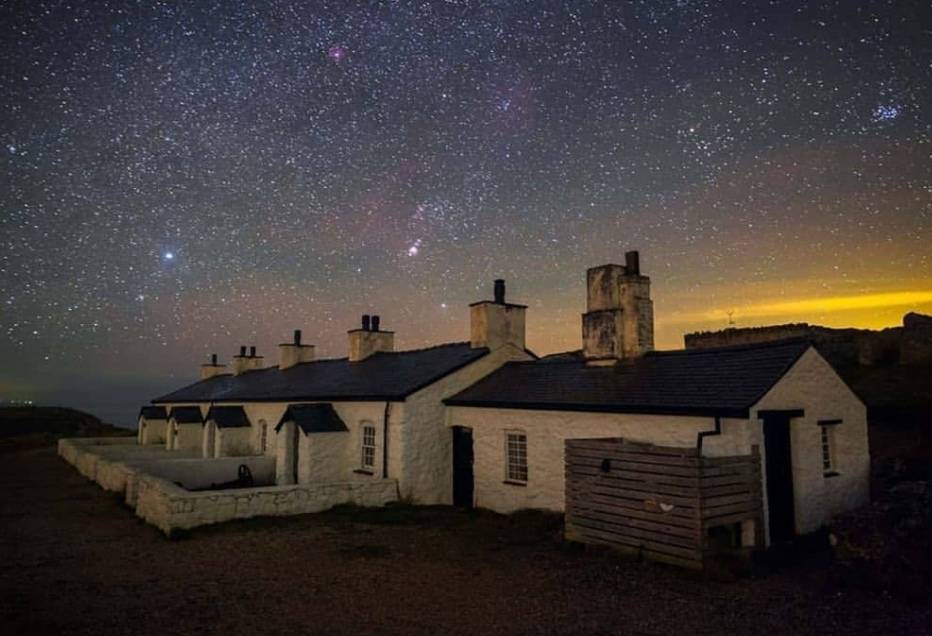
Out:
{"x": 151, "y": 431}
{"x": 811, "y": 384}
{"x": 323, "y": 457}
{"x": 548, "y": 430}
{"x": 235, "y": 442}
{"x": 188, "y": 437}
{"x": 427, "y": 443}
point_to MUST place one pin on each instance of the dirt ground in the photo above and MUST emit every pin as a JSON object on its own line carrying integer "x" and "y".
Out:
{"x": 74, "y": 559}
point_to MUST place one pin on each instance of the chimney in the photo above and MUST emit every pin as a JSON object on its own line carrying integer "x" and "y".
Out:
{"x": 243, "y": 362}
{"x": 495, "y": 323}
{"x": 369, "y": 339}
{"x": 619, "y": 321}
{"x": 292, "y": 353}
{"x": 211, "y": 369}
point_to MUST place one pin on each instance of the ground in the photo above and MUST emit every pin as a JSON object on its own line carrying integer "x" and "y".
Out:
{"x": 74, "y": 559}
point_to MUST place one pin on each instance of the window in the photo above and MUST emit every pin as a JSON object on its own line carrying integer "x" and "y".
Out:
{"x": 827, "y": 433}
{"x": 263, "y": 436}
{"x": 516, "y": 457}
{"x": 368, "y": 446}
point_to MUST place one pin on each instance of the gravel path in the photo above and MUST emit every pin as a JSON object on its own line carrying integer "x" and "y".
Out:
{"x": 73, "y": 559}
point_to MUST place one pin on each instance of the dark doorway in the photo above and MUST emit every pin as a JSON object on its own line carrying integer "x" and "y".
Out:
{"x": 782, "y": 515}
{"x": 295, "y": 446}
{"x": 462, "y": 467}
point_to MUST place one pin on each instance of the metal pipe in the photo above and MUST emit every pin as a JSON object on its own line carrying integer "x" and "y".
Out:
{"x": 703, "y": 434}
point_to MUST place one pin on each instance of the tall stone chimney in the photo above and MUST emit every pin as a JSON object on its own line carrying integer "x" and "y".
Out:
{"x": 494, "y": 323}
{"x": 619, "y": 321}
{"x": 369, "y": 339}
{"x": 212, "y": 368}
{"x": 292, "y": 353}
{"x": 246, "y": 361}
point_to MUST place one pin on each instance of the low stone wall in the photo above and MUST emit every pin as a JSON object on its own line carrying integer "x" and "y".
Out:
{"x": 170, "y": 508}
{"x": 148, "y": 477}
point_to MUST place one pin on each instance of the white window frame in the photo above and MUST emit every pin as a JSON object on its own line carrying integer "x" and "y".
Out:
{"x": 827, "y": 447}
{"x": 367, "y": 445}
{"x": 516, "y": 468}
{"x": 263, "y": 436}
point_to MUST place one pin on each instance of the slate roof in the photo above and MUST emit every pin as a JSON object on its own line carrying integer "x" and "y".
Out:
{"x": 724, "y": 381}
{"x": 153, "y": 413}
{"x": 186, "y": 415}
{"x": 381, "y": 376}
{"x": 314, "y": 418}
{"x": 227, "y": 416}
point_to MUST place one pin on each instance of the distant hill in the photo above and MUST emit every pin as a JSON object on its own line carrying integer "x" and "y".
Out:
{"x": 56, "y": 421}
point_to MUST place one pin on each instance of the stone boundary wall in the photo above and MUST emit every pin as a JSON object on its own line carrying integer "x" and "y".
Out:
{"x": 907, "y": 344}
{"x": 170, "y": 508}
{"x": 146, "y": 478}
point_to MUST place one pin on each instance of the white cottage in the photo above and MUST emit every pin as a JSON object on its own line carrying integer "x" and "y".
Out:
{"x": 185, "y": 428}
{"x": 783, "y": 397}
{"x": 375, "y": 414}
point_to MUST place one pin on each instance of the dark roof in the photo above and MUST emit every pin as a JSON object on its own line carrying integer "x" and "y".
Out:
{"x": 186, "y": 415}
{"x": 153, "y": 413}
{"x": 227, "y": 416}
{"x": 314, "y": 418}
{"x": 381, "y": 376}
{"x": 725, "y": 381}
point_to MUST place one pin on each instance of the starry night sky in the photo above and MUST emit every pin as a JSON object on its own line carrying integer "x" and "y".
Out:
{"x": 182, "y": 178}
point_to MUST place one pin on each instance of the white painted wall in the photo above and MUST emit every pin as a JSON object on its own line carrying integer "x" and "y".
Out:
{"x": 547, "y": 432}
{"x": 814, "y": 386}
{"x": 151, "y": 431}
{"x": 426, "y": 453}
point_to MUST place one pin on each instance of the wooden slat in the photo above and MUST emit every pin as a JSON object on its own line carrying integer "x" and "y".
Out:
{"x": 636, "y": 508}
{"x": 591, "y": 528}
{"x": 686, "y": 532}
{"x": 646, "y": 458}
{"x": 641, "y": 495}
{"x": 742, "y": 508}
{"x": 627, "y": 445}
{"x": 635, "y": 483}
{"x": 712, "y": 502}
{"x": 633, "y": 476}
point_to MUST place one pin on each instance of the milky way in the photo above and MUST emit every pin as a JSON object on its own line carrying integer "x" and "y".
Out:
{"x": 183, "y": 178}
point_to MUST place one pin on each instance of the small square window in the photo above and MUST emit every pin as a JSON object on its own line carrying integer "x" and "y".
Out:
{"x": 516, "y": 457}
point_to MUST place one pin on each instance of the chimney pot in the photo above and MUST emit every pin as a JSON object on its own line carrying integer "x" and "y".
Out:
{"x": 297, "y": 336}
{"x": 242, "y": 351}
{"x": 365, "y": 323}
{"x": 632, "y": 263}
{"x": 500, "y": 291}
{"x": 252, "y": 351}
{"x": 376, "y": 323}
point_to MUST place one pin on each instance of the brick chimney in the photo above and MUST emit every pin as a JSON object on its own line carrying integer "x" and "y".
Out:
{"x": 212, "y": 368}
{"x": 369, "y": 339}
{"x": 246, "y": 361}
{"x": 619, "y": 321}
{"x": 292, "y": 353}
{"x": 494, "y": 323}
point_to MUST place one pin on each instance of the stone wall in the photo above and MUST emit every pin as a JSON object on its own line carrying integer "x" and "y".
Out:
{"x": 171, "y": 508}
{"x": 842, "y": 347}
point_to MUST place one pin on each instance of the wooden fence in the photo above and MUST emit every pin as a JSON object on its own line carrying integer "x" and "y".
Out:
{"x": 658, "y": 501}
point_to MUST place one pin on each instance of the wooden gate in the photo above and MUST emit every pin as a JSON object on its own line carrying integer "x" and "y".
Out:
{"x": 659, "y": 501}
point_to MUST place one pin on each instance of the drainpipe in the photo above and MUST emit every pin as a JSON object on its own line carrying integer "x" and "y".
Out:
{"x": 703, "y": 434}
{"x": 388, "y": 408}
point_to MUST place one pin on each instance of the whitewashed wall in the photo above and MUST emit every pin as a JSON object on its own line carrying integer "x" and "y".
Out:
{"x": 151, "y": 431}
{"x": 548, "y": 430}
{"x": 426, "y": 451}
{"x": 814, "y": 386}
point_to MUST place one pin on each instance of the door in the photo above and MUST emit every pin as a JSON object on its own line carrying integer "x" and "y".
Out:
{"x": 779, "y": 459}
{"x": 462, "y": 467}
{"x": 295, "y": 450}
